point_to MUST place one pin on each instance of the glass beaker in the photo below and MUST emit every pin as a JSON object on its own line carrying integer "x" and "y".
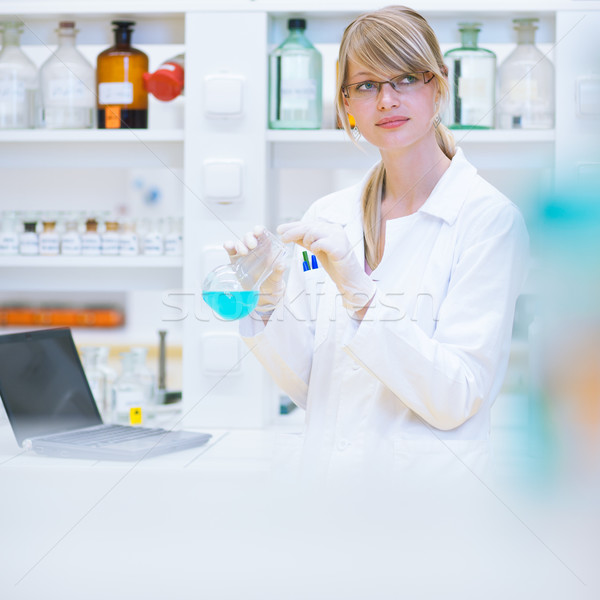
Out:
{"x": 232, "y": 291}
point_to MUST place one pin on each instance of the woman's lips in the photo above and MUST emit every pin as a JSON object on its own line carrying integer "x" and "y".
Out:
{"x": 392, "y": 122}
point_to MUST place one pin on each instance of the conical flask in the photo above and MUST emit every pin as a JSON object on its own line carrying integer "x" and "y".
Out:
{"x": 232, "y": 290}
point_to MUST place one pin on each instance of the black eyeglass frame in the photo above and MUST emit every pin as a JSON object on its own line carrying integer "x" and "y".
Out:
{"x": 380, "y": 84}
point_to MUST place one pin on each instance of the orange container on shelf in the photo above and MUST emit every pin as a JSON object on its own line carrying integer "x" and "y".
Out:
{"x": 59, "y": 316}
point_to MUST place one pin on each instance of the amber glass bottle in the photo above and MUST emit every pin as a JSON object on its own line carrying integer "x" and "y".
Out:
{"x": 122, "y": 97}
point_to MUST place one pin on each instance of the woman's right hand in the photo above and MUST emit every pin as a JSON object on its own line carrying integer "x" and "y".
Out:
{"x": 272, "y": 288}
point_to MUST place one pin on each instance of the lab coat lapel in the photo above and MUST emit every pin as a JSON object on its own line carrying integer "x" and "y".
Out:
{"x": 354, "y": 231}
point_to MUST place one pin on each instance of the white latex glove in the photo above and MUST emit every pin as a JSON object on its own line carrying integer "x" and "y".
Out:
{"x": 273, "y": 287}
{"x": 330, "y": 244}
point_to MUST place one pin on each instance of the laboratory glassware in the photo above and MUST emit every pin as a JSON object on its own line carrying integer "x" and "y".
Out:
{"x": 49, "y": 239}
{"x": 28, "y": 240}
{"x": 526, "y": 84}
{"x": 295, "y": 82}
{"x": 122, "y": 97}
{"x": 18, "y": 81}
{"x": 127, "y": 391}
{"x": 144, "y": 374}
{"x": 90, "y": 239}
{"x": 472, "y": 80}
{"x": 166, "y": 82}
{"x": 232, "y": 291}
{"x": 67, "y": 85}
{"x": 90, "y": 359}
{"x": 9, "y": 238}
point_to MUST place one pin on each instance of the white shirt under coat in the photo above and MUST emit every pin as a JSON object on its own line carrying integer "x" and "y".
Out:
{"x": 426, "y": 363}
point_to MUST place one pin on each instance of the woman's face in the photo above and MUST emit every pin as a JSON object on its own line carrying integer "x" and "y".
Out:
{"x": 392, "y": 119}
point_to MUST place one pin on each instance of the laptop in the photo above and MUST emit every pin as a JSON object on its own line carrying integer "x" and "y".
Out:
{"x": 52, "y": 411}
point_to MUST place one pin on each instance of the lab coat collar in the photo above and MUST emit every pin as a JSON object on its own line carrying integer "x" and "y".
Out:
{"x": 450, "y": 192}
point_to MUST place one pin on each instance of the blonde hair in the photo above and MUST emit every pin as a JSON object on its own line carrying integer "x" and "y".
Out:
{"x": 395, "y": 39}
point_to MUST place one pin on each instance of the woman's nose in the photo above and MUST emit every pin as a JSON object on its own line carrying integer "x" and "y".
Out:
{"x": 388, "y": 97}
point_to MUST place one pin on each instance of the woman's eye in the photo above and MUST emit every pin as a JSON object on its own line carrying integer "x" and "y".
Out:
{"x": 366, "y": 86}
{"x": 407, "y": 79}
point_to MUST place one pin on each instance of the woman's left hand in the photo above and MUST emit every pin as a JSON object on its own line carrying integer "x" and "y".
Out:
{"x": 330, "y": 244}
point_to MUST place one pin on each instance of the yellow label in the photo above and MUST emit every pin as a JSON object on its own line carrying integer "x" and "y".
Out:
{"x": 135, "y": 416}
{"x": 112, "y": 117}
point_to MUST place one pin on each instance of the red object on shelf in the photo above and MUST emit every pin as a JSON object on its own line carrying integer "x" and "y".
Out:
{"x": 166, "y": 83}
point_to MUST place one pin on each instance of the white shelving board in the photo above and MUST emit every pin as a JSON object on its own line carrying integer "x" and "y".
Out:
{"x": 74, "y": 273}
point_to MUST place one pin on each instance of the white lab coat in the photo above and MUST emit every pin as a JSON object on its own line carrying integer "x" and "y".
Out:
{"x": 418, "y": 376}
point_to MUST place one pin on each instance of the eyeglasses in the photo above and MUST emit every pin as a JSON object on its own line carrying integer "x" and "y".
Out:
{"x": 402, "y": 84}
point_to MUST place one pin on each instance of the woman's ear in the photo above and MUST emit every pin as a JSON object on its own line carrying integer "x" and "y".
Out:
{"x": 444, "y": 70}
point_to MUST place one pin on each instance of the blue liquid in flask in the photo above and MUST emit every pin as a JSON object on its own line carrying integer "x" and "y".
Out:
{"x": 232, "y": 305}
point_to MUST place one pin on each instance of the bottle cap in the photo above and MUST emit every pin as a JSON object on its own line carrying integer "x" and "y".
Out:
{"x": 66, "y": 24}
{"x": 123, "y": 24}
{"x": 166, "y": 82}
{"x": 297, "y": 24}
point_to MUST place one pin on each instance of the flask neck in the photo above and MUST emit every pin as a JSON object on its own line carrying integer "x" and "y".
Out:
{"x": 123, "y": 37}
{"x": 66, "y": 38}
{"x": 469, "y": 38}
{"x": 11, "y": 36}
{"x": 525, "y": 36}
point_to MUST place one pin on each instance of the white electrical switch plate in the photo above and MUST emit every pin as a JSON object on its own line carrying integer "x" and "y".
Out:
{"x": 223, "y": 98}
{"x": 223, "y": 180}
{"x": 588, "y": 96}
{"x": 221, "y": 353}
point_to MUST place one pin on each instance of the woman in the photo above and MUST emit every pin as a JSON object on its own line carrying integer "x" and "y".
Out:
{"x": 398, "y": 343}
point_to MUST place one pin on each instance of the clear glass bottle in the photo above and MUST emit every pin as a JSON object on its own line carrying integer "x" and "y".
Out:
{"x": 122, "y": 97}
{"x": 70, "y": 242}
{"x": 472, "y": 80}
{"x": 144, "y": 374}
{"x": 18, "y": 81}
{"x": 67, "y": 85}
{"x": 526, "y": 84}
{"x": 174, "y": 237}
{"x": 90, "y": 359}
{"x": 49, "y": 240}
{"x": 154, "y": 239}
{"x": 28, "y": 240}
{"x": 295, "y": 82}
{"x": 110, "y": 238}
{"x": 166, "y": 83}
{"x": 128, "y": 239}
{"x": 9, "y": 237}
{"x": 90, "y": 239}
{"x": 127, "y": 391}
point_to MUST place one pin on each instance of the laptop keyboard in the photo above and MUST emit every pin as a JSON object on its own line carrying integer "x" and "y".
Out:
{"x": 106, "y": 435}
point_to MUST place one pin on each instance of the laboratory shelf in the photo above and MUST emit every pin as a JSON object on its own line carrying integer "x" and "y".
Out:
{"x": 91, "y": 135}
{"x": 73, "y": 273}
{"x": 492, "y": 136}
{"x": 108, "y": 262}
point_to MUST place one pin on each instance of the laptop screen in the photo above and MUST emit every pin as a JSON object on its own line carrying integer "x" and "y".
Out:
{"x": 43, "y": 385}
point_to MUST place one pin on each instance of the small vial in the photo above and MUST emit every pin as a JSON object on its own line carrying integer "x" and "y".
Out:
{"x": 174, "y": 237}
{"x": 70, "y": 243}
{"x": 90, "y": 239}
{"x": 9, "y": 238}
{"x": 28, "y": 241}
{"x": 49, "y": 242}
{"x": 154, "y": 243}
{"x": 110, "y": 239}
{"x": 128, "y": 240}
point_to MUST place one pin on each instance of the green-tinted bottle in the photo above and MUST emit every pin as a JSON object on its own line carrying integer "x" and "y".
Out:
{"x": 472, "y": 79}
{"x": 295, "y": 82}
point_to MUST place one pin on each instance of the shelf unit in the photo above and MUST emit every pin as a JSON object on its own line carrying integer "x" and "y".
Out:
{"x": 282, "y": 171}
